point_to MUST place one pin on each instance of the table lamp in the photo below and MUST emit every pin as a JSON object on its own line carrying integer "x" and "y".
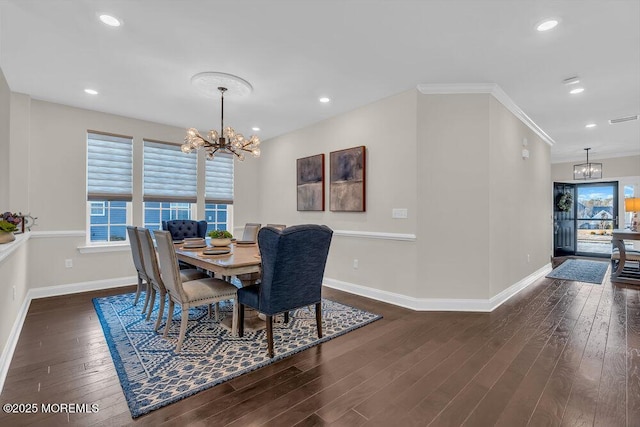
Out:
{"x": 632, "y": 204}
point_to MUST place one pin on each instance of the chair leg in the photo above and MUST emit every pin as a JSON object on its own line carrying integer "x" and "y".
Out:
{"x": 319, "y": 318}
{"x": 138, "y": 290}
{"x": 269, "y": 321}
{"x": 240, "y": 320}
{"x": 286, "y": 317}
{"x": 183, "y": 327}
{"x": 167, "y": 326}
{"x": 209, "y": 311}
{"x": 234, "y": 319}
{"x": 160, "y": 310}
{"x": 152, "y": 302}
{"x": 147, "y": 295}
{"x": 217, "y": 311}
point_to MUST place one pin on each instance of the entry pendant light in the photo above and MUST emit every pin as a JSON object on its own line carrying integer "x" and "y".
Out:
{"x": 228, "y": 140}
{"x": 587, "y": 170}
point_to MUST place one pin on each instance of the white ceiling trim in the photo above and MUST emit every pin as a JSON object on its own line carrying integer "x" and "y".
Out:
{"x": 492, "y": 89}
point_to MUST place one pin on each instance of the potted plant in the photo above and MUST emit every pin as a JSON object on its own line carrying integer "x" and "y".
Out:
{"x": 220, "y": 237}
{"x": 6, "y": 231}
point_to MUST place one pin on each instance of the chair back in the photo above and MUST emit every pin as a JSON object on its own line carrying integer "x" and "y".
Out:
{"x": 293, "y": 263}
{"x": 181, "y": 229}
{"x": 149, "y": 257}
{"x": 251, "y": 232}
{"x": 136, "y": 252}
{"x": 169, "y": 269}
{"x": 277, "y": 226}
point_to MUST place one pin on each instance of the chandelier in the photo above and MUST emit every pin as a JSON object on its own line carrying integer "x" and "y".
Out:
{"x": 587, "y": 170}
{"x": 228, "y": 140}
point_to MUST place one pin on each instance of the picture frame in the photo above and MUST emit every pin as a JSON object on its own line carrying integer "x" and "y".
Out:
{"x": 347, "y": 180}
{"x": 310, "y": 183}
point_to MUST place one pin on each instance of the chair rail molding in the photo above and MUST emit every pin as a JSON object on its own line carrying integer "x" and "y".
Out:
{"x": 375, "y": 235}
{"x": 57, "y": 233}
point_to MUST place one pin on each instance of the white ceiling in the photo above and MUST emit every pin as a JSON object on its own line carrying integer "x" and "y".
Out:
{"x": 355, "y": 52}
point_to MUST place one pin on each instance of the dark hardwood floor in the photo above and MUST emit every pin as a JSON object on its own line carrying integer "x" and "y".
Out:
{"x": 558, "y": 353}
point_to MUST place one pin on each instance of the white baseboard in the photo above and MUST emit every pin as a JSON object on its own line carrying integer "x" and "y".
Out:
{"x": 12, "y": 341}
{"x": 439, "y": 304}
{"x": 44, "y": 292}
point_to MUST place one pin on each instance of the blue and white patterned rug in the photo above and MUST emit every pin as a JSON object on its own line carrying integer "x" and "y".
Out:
{"x": 152, "y": 375}
{"x": 580, "y": 270}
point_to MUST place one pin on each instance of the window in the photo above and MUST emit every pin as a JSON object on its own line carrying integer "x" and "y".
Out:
{"x": 218, "y": 192}
{"x": 169, "y": 174}
{"x": 217, "y": 217}
{"x": 97, "y": 208}
{"x": 111, "y": 226}
{"x": 109, "y": 186}
{"x": 170, "y": 182}
{"x": 156, "y": 212}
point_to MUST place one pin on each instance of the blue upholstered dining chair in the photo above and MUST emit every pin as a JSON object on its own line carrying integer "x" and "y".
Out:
{"x": 293, "y": 262}
{"x": 185, "y": 228}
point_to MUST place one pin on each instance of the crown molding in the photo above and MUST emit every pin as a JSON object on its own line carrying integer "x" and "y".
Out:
{"x": 488, "y": 88}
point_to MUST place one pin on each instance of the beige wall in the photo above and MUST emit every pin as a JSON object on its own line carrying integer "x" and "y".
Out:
{"x": 13, "y": 274}
{"x": 454, "y": 161}
{"x": 484, "y": 211}
{"x": 266, "y": 192}
{"x": 56, "y": 186}
{"x": 520, "y": 214}
{"x": 5, "y": 105}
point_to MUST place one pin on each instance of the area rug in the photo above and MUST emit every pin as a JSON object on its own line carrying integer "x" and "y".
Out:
{"x": 580, "y": 270}
{"x": 152, "y": 375}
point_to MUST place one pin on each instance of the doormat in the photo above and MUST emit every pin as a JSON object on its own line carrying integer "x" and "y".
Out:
{"x": 580, "y": 270}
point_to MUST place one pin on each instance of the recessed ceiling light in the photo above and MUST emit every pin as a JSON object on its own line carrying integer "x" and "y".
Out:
{"x": 576, "y": 90}
{"x": 324, "y": 100}
{"x": 111, "y": 21}
{"x": 547, "y": 25}
{"x": 255, "y": 128}
{"x": 591, "y": 125}
{"x": 91, "y": 91}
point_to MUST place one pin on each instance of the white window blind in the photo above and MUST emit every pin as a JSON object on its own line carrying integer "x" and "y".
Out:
{"x": 219, "y": 180}
{"x": 109, "y": 167}
{"x": 169, "y": 174}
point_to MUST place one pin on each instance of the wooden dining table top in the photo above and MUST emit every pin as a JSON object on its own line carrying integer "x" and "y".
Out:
{"x": 241, "y": 259}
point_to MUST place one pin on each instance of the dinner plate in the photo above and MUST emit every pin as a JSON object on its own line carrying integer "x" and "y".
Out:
{"x": 194, "y": 245}
{"x": 245, "y": 242}
{"x": 216, "y": 251}
{"x": 178, "y": 242}
{"x": 193, "y": 239}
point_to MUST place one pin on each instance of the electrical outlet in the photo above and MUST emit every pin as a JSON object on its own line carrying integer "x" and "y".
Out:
{"x": 355, "y": 264}
{"x": 68, "y": 263}
{"x": 528, "y": 258}
{"x": 14, "y": 293}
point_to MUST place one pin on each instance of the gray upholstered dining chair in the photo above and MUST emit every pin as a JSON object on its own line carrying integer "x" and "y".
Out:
{"x": 250, "y": 233}
{"x": 277, "y": 226}
{"x": 155, "y": 283}
{"x": 181, "y": 229}
{"x": 293, "y": 262}
{"x": 143, "y": 281}
{"x": 188, "y": 294}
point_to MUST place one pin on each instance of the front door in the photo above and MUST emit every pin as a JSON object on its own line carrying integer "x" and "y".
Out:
{"x": 584, "y": 215}
{"x": 596, "y": 217}
{"x": 564, "y": 220}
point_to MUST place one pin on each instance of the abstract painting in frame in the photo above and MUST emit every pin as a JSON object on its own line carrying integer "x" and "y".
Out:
{"x": 310, "y": 183}
{"x": 347, "y": 180}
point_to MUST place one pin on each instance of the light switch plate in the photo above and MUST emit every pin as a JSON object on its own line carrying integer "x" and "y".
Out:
{"x": 399, "y": 213}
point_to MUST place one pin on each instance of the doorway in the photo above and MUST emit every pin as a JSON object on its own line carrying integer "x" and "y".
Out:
{"x": 584, "y": 218}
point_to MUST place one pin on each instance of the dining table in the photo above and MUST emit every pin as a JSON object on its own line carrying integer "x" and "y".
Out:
{"x": 242, "y": 261}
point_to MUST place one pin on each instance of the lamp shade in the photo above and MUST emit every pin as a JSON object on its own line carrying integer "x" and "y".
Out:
{"x": 632, "y": 204}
